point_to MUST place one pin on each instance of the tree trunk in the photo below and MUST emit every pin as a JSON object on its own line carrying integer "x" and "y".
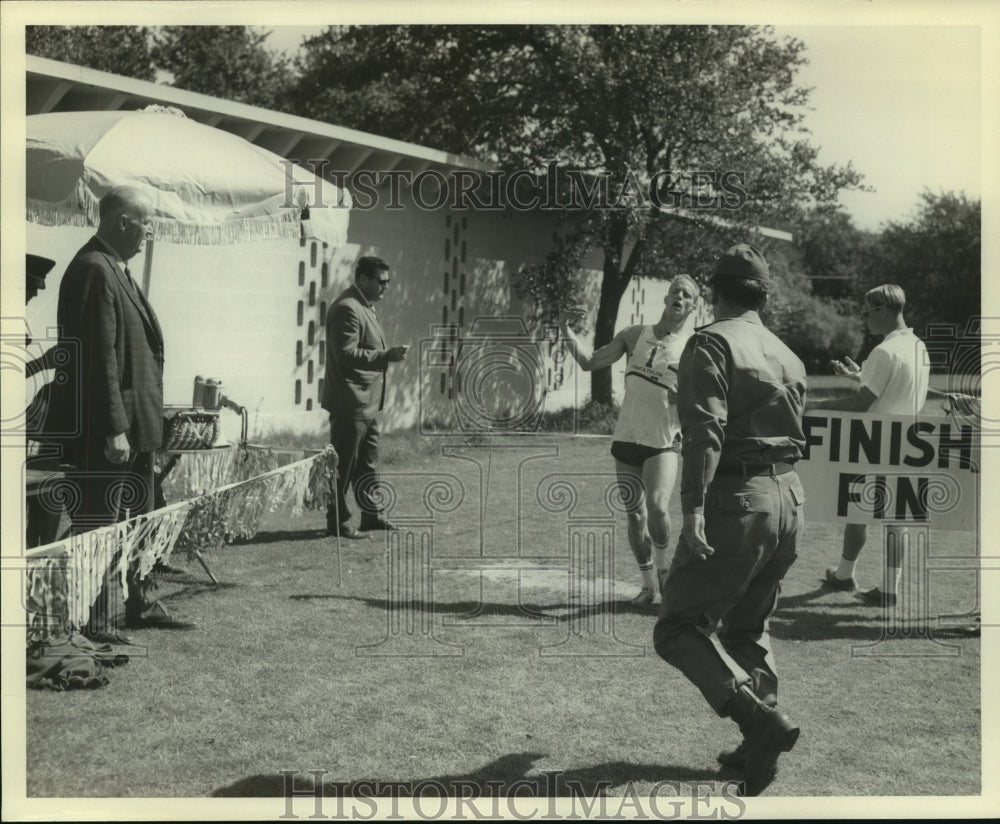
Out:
{"x": 613, "y": 283}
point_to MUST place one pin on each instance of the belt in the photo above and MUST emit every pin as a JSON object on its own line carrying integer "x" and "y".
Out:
{"x": 750, "y": 470}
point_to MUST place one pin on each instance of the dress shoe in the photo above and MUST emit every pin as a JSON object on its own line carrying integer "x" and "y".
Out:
{"x": 768, "y": 735}
{"x": 345, "y": 531}
{"x": 843, "y": 584}
{"x": 163, "y": 568}
{"x": 376, "y": 523}
{"x": 155, "y": 616}
{"x": 104, "y": 637}
{"x": 874, "y": 597}
{"x": 155, "y": 622}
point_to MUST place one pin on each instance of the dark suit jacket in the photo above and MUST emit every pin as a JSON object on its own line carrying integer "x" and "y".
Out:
{"x": 111, "y": 380}
{"x": 356, "y": 360}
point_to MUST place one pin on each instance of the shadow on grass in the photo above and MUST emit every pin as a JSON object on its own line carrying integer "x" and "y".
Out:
{"x": 505, "y": 777}
{"x": 789, "y": 625}
{"x": 470, "y": 610}
{"x": 193, "y": 589}
{"x": 850, "y": 623}
{"x": 840, "y": 617}
{"x": 805, "y": 597}
{"x": 280, "y": 535}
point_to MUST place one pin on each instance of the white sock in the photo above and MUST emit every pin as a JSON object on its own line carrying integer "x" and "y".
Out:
{"x": 660, "y": 556}
{"x": 890, "y": 579}
{"x": 846, "y": 569}
{"x": 649, "y": 576}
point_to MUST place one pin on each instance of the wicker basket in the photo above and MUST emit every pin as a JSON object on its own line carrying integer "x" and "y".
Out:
{"x": 185, "y": 428}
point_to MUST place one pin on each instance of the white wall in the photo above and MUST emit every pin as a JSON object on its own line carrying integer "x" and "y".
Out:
{"x": 227, "y": 312}
{"x": 232, "y": 313}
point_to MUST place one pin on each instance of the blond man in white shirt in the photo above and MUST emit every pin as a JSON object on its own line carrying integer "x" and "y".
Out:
{"x": 892, "y": 380}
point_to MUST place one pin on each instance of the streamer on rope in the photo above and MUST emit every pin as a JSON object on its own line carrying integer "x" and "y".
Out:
{"x": 63, "y": 579}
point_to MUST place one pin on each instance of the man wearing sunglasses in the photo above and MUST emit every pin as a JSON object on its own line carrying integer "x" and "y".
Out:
{"x": 354, "y": 392}
{"x": 892, "y": 380}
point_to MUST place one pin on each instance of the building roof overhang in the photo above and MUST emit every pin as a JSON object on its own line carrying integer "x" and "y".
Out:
{"x": 54, "y": 86}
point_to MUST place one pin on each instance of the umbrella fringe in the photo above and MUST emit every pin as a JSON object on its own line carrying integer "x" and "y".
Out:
{"x": 172, "y": 231}
{"x": 69, "y": 213}
{"x": 82, "y": 208}
{"x": 51, "y": 215}
{"x": 230, "y": 232}
{"x": 79, "y": 209}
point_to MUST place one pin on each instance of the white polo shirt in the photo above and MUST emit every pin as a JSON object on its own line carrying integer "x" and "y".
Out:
{"x": 897, "y": 372}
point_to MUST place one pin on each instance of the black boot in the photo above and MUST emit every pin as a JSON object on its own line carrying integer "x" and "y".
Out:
{"x": 767, "y": 732}
{"x": 736, "y": 757}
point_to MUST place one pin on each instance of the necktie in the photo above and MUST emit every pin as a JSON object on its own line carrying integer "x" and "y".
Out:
{"x": 128, "y": 277}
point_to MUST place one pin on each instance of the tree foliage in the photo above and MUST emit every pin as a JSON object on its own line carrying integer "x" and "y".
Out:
{"x": 231, "y": 62}
{"x": 831, "y": 251}
{"x": 936, "y": 258}
{"x": 816, "y": 328}
{"x": 637, "y": 109}
{"x": 124, "y": 50}
{"x": 434, "y": 85}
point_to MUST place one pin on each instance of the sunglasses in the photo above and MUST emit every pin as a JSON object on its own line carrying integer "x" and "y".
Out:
{"x": 864, "y": 312}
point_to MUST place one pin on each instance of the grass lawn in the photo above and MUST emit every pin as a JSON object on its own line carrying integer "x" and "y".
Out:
{"x": 492, "y": 662}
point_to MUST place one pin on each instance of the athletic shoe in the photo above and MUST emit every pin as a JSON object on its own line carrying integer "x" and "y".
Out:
{"x": 646, "y": 597}
{"x": 844, "y": 584}
{"x": 874, "y": 597}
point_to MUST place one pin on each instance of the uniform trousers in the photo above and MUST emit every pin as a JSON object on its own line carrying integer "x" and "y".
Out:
{"x": 714, "y": 616}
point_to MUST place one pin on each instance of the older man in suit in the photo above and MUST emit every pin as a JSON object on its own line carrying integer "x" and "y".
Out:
{"x": 108, "y": 394}
{"x": 354, "y": 392}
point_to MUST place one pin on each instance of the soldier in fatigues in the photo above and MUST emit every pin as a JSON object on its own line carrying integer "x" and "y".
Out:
{"x": 741, "y": 394}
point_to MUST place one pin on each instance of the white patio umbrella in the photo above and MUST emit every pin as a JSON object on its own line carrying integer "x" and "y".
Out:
{"x": 208, "y": 186}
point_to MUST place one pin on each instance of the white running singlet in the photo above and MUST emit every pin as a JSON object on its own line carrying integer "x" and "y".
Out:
{"x": 647, "y": 417}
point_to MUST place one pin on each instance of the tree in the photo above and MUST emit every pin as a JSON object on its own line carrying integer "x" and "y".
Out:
{"x": 121, "y": 50}
{"x": 936, "y": 258}
{"x": 817, "y": 328}
{"x": 638, "y": 111}
{"x": 832, "y": 251}
{"x": 230, "y": 62}
{"x": 447, "y": 86}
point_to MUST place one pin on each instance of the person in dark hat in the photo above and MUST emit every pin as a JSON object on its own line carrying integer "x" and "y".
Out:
{"x": 741, "y": 394}
{"x": 36, "y": 268}
{"x": 42, "y": 516}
